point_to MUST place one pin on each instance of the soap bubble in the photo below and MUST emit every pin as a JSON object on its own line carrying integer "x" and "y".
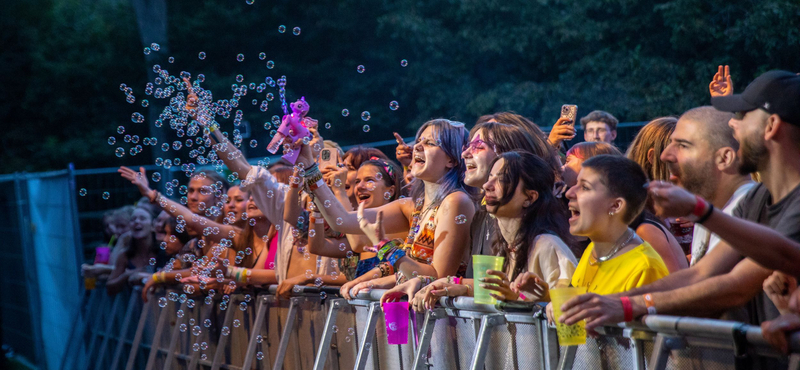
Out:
{"x": 155, "y": 47}
{"x": 243, "y": 306}
{"x": 156, "y": 176}
{"x": 239, "y": 78}
{"x": 112, "y": 140}
{"x": 403, "y": 63}
{"x": 106, "y": 195}
{"x": 339, "y": 221}
{"x": 196, "y": 330}
{"x": 281, "y": 28}
{"x": 171, "y": 60}
{"x": 327, "y": 203}
{"x": 337, "y": 183}
{"x": 146, "y": 51}
{"x": 121, "y": 130}
{"x": 225, "y": 330}
{"x": 262, "y": 55}
{"x": 327, "y": 125}
{"x": 207, "y": 323}
{"x": 152, "y": 261}
{"x": 366, "y": 128}
{"x": 360, "y": 69}
{"x": 387, "y": 195}
{"x": 270, "y": 64}
{"x": 250, "y": 2}
{"x": 145, "y": 103}
{"x": 260, "y": 355}
{"x": 461, "y": 219}
{"x": 237, "y": 323}
{"x": 365, "y": 116}
{"x": 82, "y": 192}
{"x": 253, "y": 143}
{"x": 342, "y": 247}
{"x": 240, "y": 57}
{"x": 345, "y": 112}
{"x": 183, "y": 328}
{"x": 162, "y": 302}
{"x": 202, "y": 55}
{"x": 393, "y": 105}
{"x": 296, "y": 31}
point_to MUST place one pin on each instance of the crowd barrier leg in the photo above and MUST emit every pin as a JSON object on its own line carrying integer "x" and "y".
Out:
{"x": 173, "y": 341}
{"x": 327, "y": 333}
{"x": 482, "y": 342}
{"x": 368, "y": 337}
{"x": 420, "y": 358}
{"x": 261, "y": 315}
{"x": 107, "y": 332}
{"x": 222, "y": 343}
{"x": 137, "y": 337}
{"x": 549, "y": 340}
{"x": 156, "y": 344}
{"x": 124, "y": 329}
{"x": 661, "y": 350}
{"x": 567, "y": 358}
{"x": 287, "y": 330}
{"x": 94, "y": 331}
{"x": 794, "y": 361}
{"x": 80, "y": 327}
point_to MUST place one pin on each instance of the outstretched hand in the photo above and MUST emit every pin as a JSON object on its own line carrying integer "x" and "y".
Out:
{"x": 403, "y": 153}
{"x": 137, "y": 178}
{"x": 373, "y": 230}
{"x": 721, "y": 84}
{"x": 533, "y": 287}
{"x": 563, "y": 129}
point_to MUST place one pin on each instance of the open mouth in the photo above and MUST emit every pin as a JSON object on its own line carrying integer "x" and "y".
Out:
{"x": 470, "y": 165}
{"x": 418, "y": 160}
{"x": 574, "y": 214}
{"x": 363, "y": 197}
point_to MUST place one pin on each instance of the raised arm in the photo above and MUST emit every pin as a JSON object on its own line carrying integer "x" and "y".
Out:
{"x": 748, "y": 238}
{"x": 320, "y": 245}
{"x": 175, "y": 209}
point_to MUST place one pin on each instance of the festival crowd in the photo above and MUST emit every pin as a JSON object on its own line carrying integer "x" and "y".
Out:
{"x": 699, "y": 217}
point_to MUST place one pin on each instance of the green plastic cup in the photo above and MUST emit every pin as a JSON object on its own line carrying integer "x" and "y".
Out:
{"x": 479, "y": 266}
{"x": 568, "y": 335}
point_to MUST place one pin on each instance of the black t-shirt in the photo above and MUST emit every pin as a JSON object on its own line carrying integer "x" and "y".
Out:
{"x": 783, "y": 217}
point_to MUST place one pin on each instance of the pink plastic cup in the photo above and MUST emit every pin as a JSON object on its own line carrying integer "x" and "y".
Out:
{"x": 103, "y": 254}
{"x": 396, "y": 316}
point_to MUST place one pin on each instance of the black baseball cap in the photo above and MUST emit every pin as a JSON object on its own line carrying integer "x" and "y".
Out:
{"x": 777, "y": 92}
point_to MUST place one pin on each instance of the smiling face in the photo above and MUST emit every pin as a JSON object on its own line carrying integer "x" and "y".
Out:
{"x": 430, "y": 162}
{"x": 368, "y": 189}
{"x": 252, "y": 210}
{"x": 141, "y": 224}
{"x": 690, "y": 159}
{"x": 236, "y": 202}
{"x": 478, "y": 157}
{"x": 199, "y": 191}
{"x": 590, "y": 202}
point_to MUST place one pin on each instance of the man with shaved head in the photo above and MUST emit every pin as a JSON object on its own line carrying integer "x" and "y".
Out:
{"x": 702, "y": 158}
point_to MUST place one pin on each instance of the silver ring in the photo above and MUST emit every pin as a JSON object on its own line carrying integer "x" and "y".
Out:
{"x": 359, "y": 219}
{"x": 446, "y": 292}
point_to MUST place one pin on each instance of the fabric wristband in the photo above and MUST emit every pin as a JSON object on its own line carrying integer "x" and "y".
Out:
{"x": 708, "y": 213}
{"x": 699, "y": 206}
{"x": 648, "y": 302}
{"x": 627, "y": 308}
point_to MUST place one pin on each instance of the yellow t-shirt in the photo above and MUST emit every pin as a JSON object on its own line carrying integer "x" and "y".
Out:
{"x": 639, "y": 266}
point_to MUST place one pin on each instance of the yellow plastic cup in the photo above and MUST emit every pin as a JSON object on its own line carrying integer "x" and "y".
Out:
{"x": 479, "y": 266}
{"x": 568, "y": 335}
{"x": 89, "y": 283}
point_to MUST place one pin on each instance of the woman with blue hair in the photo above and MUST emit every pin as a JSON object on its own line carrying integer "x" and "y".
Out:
{"x": 437, "y": 216}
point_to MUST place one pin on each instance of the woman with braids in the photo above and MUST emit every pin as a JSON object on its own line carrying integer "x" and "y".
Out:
{"x": 533, "y": 235}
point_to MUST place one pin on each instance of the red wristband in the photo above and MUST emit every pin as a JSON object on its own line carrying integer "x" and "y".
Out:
{"x": 699, "y": 207}
{"x": 627, "y": 307}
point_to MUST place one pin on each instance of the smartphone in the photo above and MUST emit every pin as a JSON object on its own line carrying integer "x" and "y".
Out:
{"x": 570, "y": 112}
{"x": 328, "y": 157}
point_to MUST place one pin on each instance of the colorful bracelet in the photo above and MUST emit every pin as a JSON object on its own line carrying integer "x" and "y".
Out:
{"x": 699, "y": 206}
{"x": 627, "y": 308}
{"x": 386, "y": 269}
{"x": 708, "y": 213}
{"x": 426, "y": 280}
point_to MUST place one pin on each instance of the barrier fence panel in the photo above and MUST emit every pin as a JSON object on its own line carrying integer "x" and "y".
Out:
{"x": 316, "y": 329}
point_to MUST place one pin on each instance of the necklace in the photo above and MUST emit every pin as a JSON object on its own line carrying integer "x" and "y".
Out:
{"x": 616, "y": 248}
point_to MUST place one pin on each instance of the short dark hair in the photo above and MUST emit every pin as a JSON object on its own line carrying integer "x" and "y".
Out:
{"x": 624, "y": 178}
{"x": 600, "y": 116}
{"x": 361, "y": 154}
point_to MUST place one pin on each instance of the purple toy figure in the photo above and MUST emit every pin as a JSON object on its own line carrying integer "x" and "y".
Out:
{"x": 293, "y": 126}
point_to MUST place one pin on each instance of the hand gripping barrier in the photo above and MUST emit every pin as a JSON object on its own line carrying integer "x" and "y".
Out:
{"x": 317, "y": 329}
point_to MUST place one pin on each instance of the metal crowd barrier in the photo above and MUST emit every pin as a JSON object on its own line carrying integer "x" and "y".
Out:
{"x": 316, "y": 329}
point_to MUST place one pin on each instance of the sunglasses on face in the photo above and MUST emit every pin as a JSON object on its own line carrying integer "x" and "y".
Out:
{"x": 477, "y": 144}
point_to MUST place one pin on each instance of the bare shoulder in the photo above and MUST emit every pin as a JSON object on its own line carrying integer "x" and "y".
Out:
{"x": 458, "y": 200}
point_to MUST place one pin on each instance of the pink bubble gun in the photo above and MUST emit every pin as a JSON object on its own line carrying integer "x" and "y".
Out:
{"x": 293, "y": 126}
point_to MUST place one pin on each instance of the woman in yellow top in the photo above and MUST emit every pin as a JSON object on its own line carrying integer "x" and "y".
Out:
{"x": 609, "y": 194}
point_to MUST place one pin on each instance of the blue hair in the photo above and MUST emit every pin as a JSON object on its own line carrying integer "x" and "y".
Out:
{"x": 451, "y": 136}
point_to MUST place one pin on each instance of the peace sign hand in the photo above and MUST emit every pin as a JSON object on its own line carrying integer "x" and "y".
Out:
{"x": 721, "y": 84}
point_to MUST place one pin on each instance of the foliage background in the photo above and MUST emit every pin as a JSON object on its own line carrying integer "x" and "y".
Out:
{"x": 62, "y": 61}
